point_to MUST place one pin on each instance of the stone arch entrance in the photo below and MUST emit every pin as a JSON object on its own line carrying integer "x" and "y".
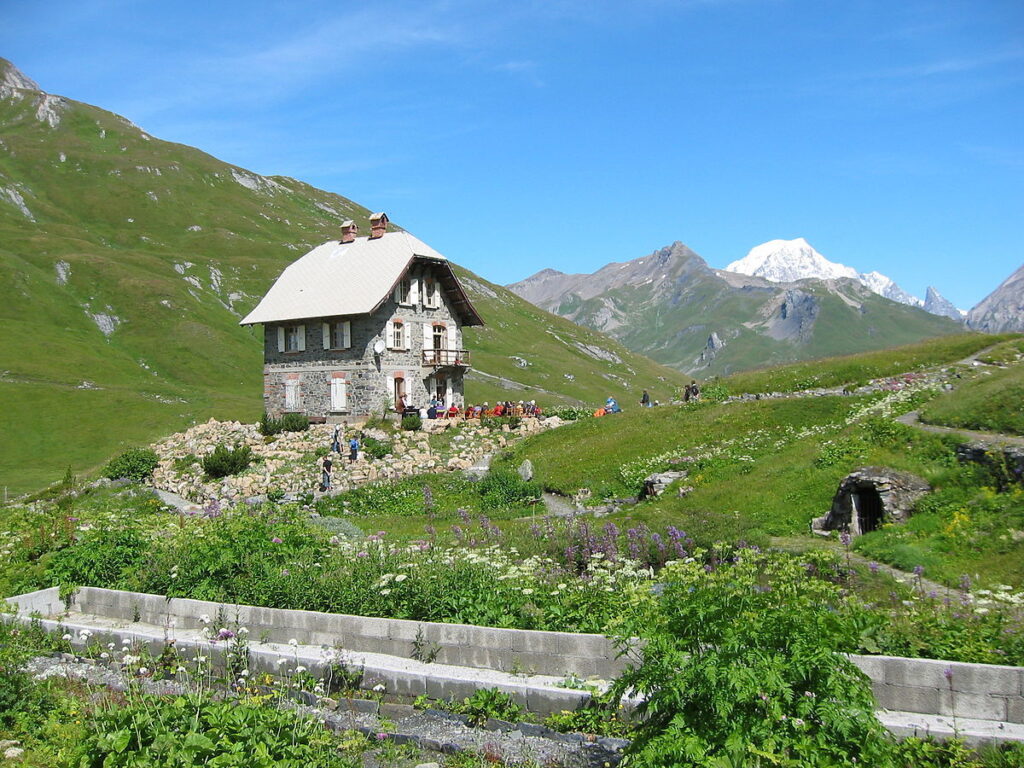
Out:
{"x": 870, "y": 497}
{"x": 867, "y": 504}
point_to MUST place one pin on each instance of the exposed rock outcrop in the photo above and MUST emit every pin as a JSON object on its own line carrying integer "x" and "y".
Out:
{"x": 1003, "y": 309}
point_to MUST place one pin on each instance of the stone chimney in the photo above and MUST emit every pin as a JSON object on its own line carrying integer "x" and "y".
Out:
{"x": 378, "y": 225}
{"x": 349, "y": 230}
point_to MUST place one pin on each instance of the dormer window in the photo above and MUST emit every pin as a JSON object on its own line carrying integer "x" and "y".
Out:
{"x": 403, "y": 291}
{"x": 291, "y": 338}
{"x": 431, "y": 293}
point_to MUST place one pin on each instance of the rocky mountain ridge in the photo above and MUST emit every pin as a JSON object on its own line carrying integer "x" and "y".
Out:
{"x": 672, "y": 306}
{"x": 1003, "y": 309}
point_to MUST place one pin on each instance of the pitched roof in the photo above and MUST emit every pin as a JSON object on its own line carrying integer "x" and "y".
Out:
{"x": 354, "y": 278}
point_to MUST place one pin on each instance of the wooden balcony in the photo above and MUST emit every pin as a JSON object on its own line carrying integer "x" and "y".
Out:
{"x": 444, "y": 358}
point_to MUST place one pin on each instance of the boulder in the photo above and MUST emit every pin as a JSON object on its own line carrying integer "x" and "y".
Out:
{"x": 655, "y": 485}
{"x": 526, "y": 470}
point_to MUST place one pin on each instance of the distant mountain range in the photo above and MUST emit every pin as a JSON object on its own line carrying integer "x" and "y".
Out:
{"x": 673, "y": 307}
{"x": 126, "y": 263}
{"x": 1003, "y": 309}
{"x": 785, "y": 261}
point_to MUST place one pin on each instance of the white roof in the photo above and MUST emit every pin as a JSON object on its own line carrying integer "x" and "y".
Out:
{"x": 340, "y": 278}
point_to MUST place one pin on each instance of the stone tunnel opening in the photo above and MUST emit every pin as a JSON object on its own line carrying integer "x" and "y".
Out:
{"x": 869, "y": 508}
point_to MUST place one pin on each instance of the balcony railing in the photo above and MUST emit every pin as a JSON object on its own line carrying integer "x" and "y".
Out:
{"x": 446, "y": 357}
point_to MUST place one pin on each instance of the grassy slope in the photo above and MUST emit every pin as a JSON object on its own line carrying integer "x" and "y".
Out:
{"x": 553, "y": 347}
{"x": 992, "y": 402}
{"x": 178, "y": 354}
{"x": 769, "y": 482}
{"x": 859, "y": 368}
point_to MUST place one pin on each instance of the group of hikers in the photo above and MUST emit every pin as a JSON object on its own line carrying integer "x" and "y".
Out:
{"x": 437, "y": 410}
{"x": 327, "y": 463}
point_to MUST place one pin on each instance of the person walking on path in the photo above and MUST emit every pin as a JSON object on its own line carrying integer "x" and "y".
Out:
{"x": 645, "y": 400}
{"x": 336, "y": 441}
{"x": 353, "y": 449}
{"x": 325, "y": 473}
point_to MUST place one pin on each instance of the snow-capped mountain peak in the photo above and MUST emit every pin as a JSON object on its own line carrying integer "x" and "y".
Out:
{"x": 783, "y": 261}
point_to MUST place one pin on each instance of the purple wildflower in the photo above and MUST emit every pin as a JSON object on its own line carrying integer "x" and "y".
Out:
{"x": 873, "y": 566}
{"x": 277, "y": 540}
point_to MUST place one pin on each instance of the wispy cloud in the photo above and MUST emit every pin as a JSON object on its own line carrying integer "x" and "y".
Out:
{"x": 950, "y": 66}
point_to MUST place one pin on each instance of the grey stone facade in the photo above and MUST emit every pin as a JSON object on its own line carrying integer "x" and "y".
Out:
{"x": 369, "y": 377}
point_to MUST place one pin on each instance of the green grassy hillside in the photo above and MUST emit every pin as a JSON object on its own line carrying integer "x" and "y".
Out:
{"x": 126, "y": 263}
{"x": 761, "y": 470}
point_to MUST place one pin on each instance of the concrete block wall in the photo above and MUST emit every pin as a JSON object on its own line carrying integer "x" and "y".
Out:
{"x": 922, "y": 686}
{"x": 505, "y": 650}
{"x": 948, "y": 688}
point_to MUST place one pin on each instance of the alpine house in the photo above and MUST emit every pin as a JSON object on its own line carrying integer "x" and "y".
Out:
{"x": 359, "y": 323}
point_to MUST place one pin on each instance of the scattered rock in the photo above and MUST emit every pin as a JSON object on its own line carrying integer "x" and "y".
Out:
{"x": 655, "y": 485}
{"x": 526, "y": 470}
{"x": 870, "y": 497}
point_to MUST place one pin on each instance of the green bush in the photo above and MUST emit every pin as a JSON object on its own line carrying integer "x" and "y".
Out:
{"x": 290, "y": 422}
{"x": 378, "y": 449}
{"x": 411, "y": 422}
{"x": 294, "y": 422}
{"x": 104, "y": 558}
{"x": 134, "y": 464}
{"x": 719, "y": 689}
{"x": 224, "y": 461}
{"x": 503, "y": 488}
{"x": 195, "y": 730}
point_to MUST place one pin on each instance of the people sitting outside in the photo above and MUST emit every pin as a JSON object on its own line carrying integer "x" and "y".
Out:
{"x": 692, "y": 392}
{"x": 453, "y": 412}
{"x": 612, "y": 406}
{"x": 499, "y": 409}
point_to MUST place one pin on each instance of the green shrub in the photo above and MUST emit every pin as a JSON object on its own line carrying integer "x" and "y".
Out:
{"x": 294, "y": 422}
{"x": 487, "y": 703}
{"x": 378, "y": 449}
{"x": 224, "y": 461}
{"x": 411, "y": 422}
{"x": 196, "y": 730}
{"x": 570, "y": 412}
{"x": 185, "y": 463}
{"x": 134, "y": 464}
{"x": 503, "y": 488}
{"x": 718, "y": 688}
{"x": 290, "y": 422}
{"x": 104, "y": 558}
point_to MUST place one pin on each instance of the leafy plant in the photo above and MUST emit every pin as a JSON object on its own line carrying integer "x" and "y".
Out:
{"x": 134, "y": 464}
{"x": 486, "y": 704}
{"x": 412, "y": 422}
{"x": 224, "y": 461}
{"x": 503, "y": 488}
{"x": 378, "y": 449}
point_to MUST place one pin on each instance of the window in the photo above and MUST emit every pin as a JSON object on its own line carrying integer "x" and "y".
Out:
{"x": 403, "y": 291}
{"x": 397, "y": 337}
{"x": 291, "y": 338}
{"x": 431, "y": 293}
{"x": 440, "y": 336}
{"x": 338, "y": 335}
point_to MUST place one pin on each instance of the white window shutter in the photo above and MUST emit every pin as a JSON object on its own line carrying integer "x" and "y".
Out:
{"x": 453, "y": 341}
{"x": 414, "y": 290}
{"x": 346, "y": 328}
{"x": 339, "y": 395}
{"x": 428, "y": 336}
{"x": 406, "y": 335}
{"x": 302, "y": 338}
{"x": 327, "y": 335}
{"x": 280, "y": 338}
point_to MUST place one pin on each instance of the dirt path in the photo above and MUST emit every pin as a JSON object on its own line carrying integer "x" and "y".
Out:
{"x": 912, "y": 419}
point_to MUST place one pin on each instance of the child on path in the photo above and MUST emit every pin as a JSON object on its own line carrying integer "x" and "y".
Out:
{"x": 325, "y": 475}
{"x": 353, "y": 449}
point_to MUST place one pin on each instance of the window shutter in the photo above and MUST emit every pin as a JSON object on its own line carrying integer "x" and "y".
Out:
{"x": 428, "y": 336}
{"x": 453, "y": 341}
{"x": 302, "y": 338}
{"x": 280, "y": 338}
{"x": 339, "y": 394}
{"x": 406, "y": 335}
{"x": 414, "y": 290}
{"x": 346, "y": 334}
{"x": 327, "y": 335}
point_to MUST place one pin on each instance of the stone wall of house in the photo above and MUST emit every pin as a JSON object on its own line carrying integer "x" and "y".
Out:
{"x": 369, "y": 377}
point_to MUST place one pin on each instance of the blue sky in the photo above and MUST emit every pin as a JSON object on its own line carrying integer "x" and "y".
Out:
{"x": 514, "y": 136}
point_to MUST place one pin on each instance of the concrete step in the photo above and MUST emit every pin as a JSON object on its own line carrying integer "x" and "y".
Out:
{"x": 974, "y": 732}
